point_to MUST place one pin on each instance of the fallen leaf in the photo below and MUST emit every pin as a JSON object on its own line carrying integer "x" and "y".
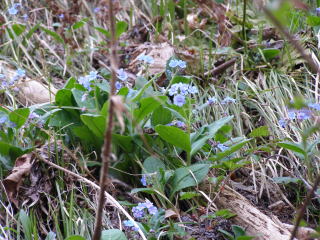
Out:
{"x": 21, "y": 168}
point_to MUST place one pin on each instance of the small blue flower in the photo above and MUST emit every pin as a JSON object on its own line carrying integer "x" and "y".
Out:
{"x": 179, "y": 100}
{"x": 182, "y": 64}
{"x": 153, "y": 210}
{"x": 173, "y": 89}
{"x": 130, "y": 224}
{"x": 13, "y": 10}
{"x": 193, "y": 89}
{"x": 61, "y": 16}
{"x": 33, "y": 115}
{"x": 291, "y": 115}
{"x": 146, "y": 59}
{"x": 118, "y": 85}
{"x": 318, "y": 11}
{"x": 11, "y": 124}
{"x": 282, "y": 123}
{"x": 222, "y": 147}
{"x": 96, "y": 10}
{"x": 3, "y": 119}
{"x": 184, "y": 88}
{"x": 180, "y": 124}
{"x": 25, "y": 17}
{"x": 85, "y": 81}
{"x": 122, "y": 75}
{"x": 21, "y": 73}
{"x": 303, "y": 115}
{"x": 93, "y": 75}
{"x": 212, "y": 100}
{"x": 143, "y": 180}
{"x": 173, "y": 63}
{"x": 228, "y": 100}
{"x": 138, "y": 211}
{"x": 315, "y": 106}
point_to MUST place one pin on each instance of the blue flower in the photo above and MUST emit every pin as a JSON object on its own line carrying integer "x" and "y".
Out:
{"x": 315, "y": 106}
{"x": 2, "y": 76}
{"x": 180, "y": 124}
{"x": 33, "y": 115}
{"x": 318, "y": 11}
{"x": 3, "y": 119}
{"x": 184, "y": 88}
{"x": 85, "y": 81}
{"x": 93, "y": 75}
{"x": 193, "y": 89}
{"x": 173, "y": 89}
{"x": 118, "y": 85}
{"x": 153, "y": 210}
{"x": 182, "y": 64}
{"x": 282, "y": 123}
{"x": 222, "y": 147}
{"x": 61, "y": 16}
{"x": 303, "y": 114}
{"x": 21, "y": 73}
{"x": 173, "y": 63}
{"x": 146, "y": 59}
{"x": 143, "y": 180}
{"x": 291, "y": 115}
{"x": 96, "y": 10}
{"x": 228, "y": 100}
{"x": 212, "y": 100}
{"x": 13, "y": 10}
{"x": 179, "y": 100}
{"x": 122, "y": 75}
{"x": 130, "y": 224}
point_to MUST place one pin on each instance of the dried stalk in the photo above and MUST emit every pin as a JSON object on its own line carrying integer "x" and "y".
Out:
{"x": 108, "y": 135}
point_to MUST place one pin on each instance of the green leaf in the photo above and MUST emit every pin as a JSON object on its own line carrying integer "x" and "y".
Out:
{"x": 103, "y": 31}
{"x": 293, "y": 147}
{"x": 64, "y": 98}
{"x": 145, "y": 190}
{"x": 262, "y": 131}
{"x": 147, "y": 106}
{"x": 188, "y": 177}
{"x": 270, "y": 53}
{"x": 125, "y": 142}
{"x": 313, "y": 21}
{"x": 174, "y": 136}
{"x": 89, "y": 103}
{"x": 153, "y": 164}
{"x": 19, "y": 116}
{"x": 80, "y": 23}
{"x": 84, "y": 133}
{"x": 96, "y": 123}
{"x": 232, "y": 149}
{"x": 18, "y": 29}
{"x": 75, "y": 237}
{"x": 26, "y": 224}
{"x": 121, "y": 27}
{"x": 207, "y": 132}
{"x": 54, "y": 35}
{"x": 188, "y": 195}
{"x": 178, "y": 79}
{"x": 113, "y": 234}
{"x": 286, "y": 180}
{"x": 161, "y": 116}
{"x": 32, "y": 30}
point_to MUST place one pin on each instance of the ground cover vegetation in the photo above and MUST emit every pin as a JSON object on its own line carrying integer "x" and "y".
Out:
{"x": 160, "y": 119}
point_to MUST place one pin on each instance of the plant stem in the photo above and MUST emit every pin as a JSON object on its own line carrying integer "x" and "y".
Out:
{"x": 106, "y": 148}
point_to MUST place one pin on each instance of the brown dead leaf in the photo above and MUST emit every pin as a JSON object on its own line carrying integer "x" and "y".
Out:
{"x": 30, "y": 91}
{"x": 119, "y": 108}
{"x": 193, "y": 21}
{"x": 21, "y": 168}
{"x": 159, "y": 52}
{"x": 170, "y": 213}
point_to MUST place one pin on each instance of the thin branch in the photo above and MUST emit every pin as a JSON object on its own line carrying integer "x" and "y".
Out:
{"x": 106, "y": 149}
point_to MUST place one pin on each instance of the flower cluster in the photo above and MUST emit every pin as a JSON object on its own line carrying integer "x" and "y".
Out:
{"x": 4, "y": 121}
{"x": 4, "y": 82}
{"x": 14, "y": 9}
{"x": 129, "y": 224}
{"x": 146, "y": 59}
{"x": 139, "y": 210}
{"x": 300, "y": 115}
{"x": 86, "y": 81}
{"x": 179, "y": 91}
{"x": 122, "y": 76}
{"x": 178, "y": 124}
{"x": 225, "y": 101}
{"x": 34, "y": 118}
{"x": 177, "y": 63}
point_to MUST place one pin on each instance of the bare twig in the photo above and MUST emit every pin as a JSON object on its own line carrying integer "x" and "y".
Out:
{"x": 304, "y": 206}
{"x": 108, "y": 135}
{"x": 314, "y": 67}
{"x": 92, "y": 184}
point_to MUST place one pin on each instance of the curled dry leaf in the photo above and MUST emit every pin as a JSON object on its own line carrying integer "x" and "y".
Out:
{"x": 159, "y": 52}
{"x": 29, "y": 91}
{"x": 170, "y": 214}
{"x": 21, "y": 168}
{"x": 119, "y": 108}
